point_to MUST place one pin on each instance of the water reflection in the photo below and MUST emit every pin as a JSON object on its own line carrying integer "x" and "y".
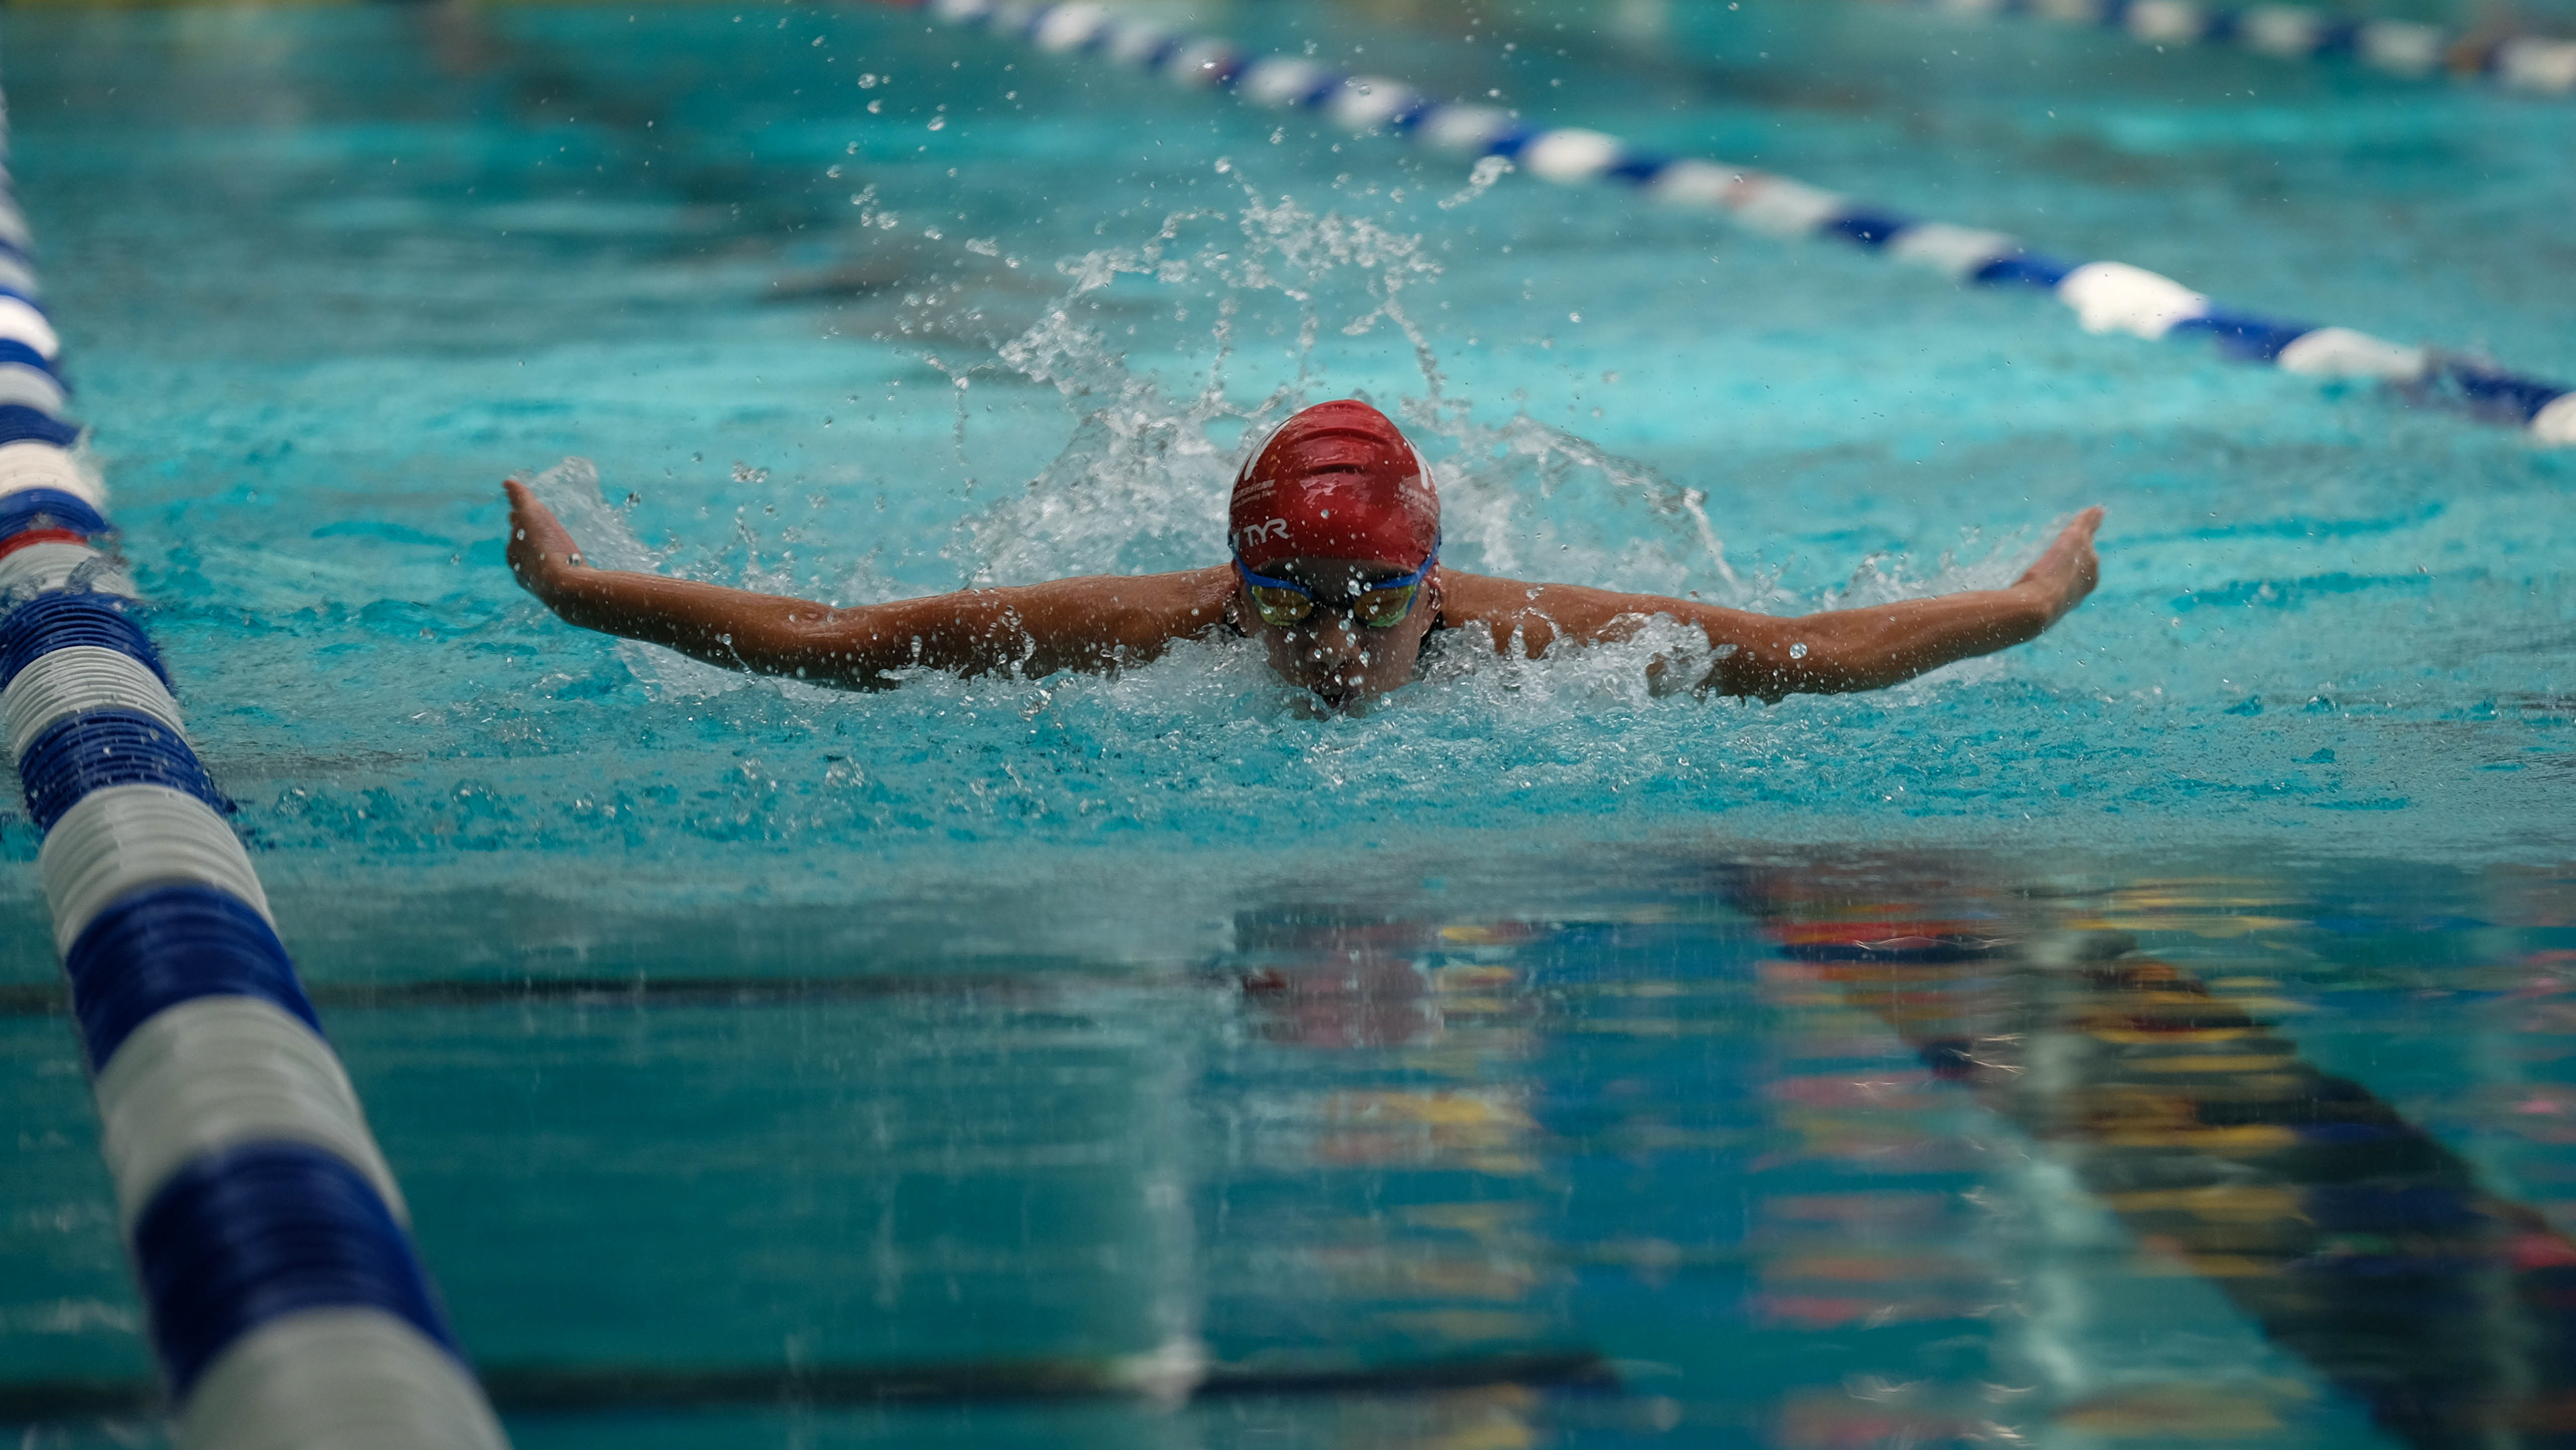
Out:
{"x": 1837, "y": 1153}
{"x": 1383, "y": 1175}
{"x": 2350, "y": 1235}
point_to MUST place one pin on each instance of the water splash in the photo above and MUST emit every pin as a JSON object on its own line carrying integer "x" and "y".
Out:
{"x": 571, "y": 489}
{"x": 1142, "y": 483}
{"x": 1489, "y": 169}
{"x": 1160, "y": 426}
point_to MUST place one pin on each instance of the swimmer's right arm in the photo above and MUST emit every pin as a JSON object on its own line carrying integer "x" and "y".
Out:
{"x": 1768, "y": 657}
{"x": 1038, "y": 629}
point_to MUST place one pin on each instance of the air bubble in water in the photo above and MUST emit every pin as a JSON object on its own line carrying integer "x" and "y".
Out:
{"x": 1487, "y": 171}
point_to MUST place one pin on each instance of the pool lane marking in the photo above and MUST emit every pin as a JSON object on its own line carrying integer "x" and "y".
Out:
{"x": 288, "y": 1306}
{"x": 609, "y": 1388}
{"x": 2538, "y": 64}
{"x": 2105, "y": 296}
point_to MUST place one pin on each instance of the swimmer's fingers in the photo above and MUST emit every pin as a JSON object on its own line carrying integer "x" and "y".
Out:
{"x": 2067, "y": 572}
{"x": 541, "y": 549}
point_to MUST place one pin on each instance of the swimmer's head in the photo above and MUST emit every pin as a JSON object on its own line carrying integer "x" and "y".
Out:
{"x": 1336, "y": 481}
{"x": 1335, "y": 529}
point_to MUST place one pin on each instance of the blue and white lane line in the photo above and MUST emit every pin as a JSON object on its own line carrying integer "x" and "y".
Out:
{"x": 2106, "y": 296}
{"x": 2541, "y": 64}
{"x": 288, "y": 1308}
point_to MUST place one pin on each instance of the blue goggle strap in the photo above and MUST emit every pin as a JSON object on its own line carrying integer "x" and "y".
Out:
{"x": 1264, "y": 581}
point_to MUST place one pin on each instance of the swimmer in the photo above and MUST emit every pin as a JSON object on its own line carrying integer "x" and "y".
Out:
{"x": 1335, "y": 578}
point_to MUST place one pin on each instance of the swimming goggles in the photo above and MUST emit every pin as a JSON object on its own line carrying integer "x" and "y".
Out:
{"x": 1382, "y": 605}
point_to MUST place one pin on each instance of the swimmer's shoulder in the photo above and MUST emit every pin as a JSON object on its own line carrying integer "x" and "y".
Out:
{"x": 1101, "y": 618}
{"x": 1189, "y": 604}
{"x": 1470, "y": 599}
{"x": 1494, "y": 610}
{"x": 1201, "y": 601}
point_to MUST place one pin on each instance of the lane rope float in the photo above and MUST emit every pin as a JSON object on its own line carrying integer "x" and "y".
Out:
{"x": 288, "y": 1307}
{"x": 2105, "y": 296}
{"x": 2540, "y": 64}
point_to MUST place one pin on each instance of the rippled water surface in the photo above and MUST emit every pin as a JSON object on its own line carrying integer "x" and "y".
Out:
{"x": 2149, "y": 1035}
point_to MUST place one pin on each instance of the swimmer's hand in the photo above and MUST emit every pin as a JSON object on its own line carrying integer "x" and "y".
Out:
{"x": 1032, "y": 630}
{"x": 1768, "y": 656}
{"x": 2067, "y": 572}
{"x": 541, "y": 549}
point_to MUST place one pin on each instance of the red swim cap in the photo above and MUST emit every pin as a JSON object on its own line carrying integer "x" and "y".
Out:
{"x": 1337, "y": 481}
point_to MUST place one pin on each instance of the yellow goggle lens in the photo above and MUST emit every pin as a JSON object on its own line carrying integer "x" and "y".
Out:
{"x": 1384, "y": 608}
{"x": 1375, "y": 608}
{"x": 1281, "y": 607}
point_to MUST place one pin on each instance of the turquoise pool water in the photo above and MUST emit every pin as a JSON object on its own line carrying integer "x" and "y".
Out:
{"x": 1468, "y": 1072}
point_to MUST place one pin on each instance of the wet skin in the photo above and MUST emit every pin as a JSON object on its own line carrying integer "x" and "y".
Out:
{"x": 1105, "y": 623}
{"x": 1331, "y": 653}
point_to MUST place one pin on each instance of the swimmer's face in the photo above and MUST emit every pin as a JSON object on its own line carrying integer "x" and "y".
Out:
{"x": 1342, "y": 660}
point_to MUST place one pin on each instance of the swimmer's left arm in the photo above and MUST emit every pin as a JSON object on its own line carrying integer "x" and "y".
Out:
{"x": 1030, "y": 630}
{"x": 1767, "y": 656}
